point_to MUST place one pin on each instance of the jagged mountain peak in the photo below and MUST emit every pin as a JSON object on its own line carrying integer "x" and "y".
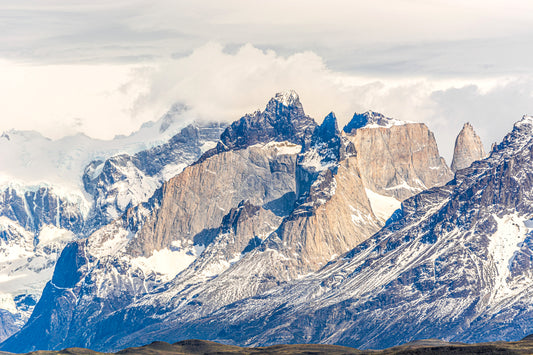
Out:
{"x": 282, "y": 120}
{"x": 370, "y": 119}
{"x": 287, "y": 98}
{"x": 457, "y": 265}
{"x": 468, "y": 148}
{"x": 525, "y": 124}
{"x": 520, "y": 135}
{"x": 468, "y": 126}
{"x": 328, "y": 129}
{"x": 284, "y": 103}
{"x": 330, "y": 122}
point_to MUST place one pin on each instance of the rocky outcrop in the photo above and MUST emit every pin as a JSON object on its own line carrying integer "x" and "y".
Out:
{"x": 398, "y": 159}
{"x": 236, "y": 223}
{"x": 282, "y": 120}
{"x": 468, "y": 148}
{"x": 124, "y": 181}
{"x": 456, "y": 266}
{"x": 189, "y": 212}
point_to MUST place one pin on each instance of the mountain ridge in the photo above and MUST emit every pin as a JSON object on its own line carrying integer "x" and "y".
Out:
{"x": 423, "y": 296}
{"x": 36, "y": 222}
{"x": 282, "y": 206}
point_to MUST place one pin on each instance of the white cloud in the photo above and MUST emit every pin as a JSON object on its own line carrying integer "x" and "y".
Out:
{"x": 58, "y": 100}
{"x": 437, "y": 37}
{"x": 105, "y": 100}
{"x": 219, "y": 85}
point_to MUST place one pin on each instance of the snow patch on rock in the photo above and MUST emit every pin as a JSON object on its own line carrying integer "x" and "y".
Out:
{"x": 504, "y": 243}
{"x": 284, "y": 148}
{"x": 50, "y": 235}
{"x": 168, "y": 262}
{"x": 382, "y": 206}
{"x": 287, "y": 98}
{"x": 8, "y": 303}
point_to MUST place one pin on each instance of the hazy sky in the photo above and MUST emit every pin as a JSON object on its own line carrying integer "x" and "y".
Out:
{"x": 104, "y": 68}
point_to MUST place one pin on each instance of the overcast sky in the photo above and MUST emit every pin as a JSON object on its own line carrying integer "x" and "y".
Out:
{"x": 104, "y": 68}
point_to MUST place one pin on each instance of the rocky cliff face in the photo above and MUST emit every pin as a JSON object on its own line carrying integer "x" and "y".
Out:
{"x": 124, "y": 181}
{"x": 279, "y": 198}
{"x": 396, "y": 158}
{"x": 457, "y": 266}
{"x": 263, "y": 175}
{"x": 34, "y": 208}
{"x": 468, "y": 148}
{"x": 37, "y": 222}
{"x": 273, "y": 206}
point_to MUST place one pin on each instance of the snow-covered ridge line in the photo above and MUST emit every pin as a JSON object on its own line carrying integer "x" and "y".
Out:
{"x": 287, "y": 98}
{"x": 371, "y": 119}
{"x": 77, "y": 196}
{"x": 377, "y": 119}
{"x": 61, "y": 162}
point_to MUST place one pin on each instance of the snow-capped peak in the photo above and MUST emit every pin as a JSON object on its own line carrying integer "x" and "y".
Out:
{"x": 521, "y": 134}
{"x": 287, "y": 98}
{"x": 371, "y": 119}
{"x": 525, "y": 122}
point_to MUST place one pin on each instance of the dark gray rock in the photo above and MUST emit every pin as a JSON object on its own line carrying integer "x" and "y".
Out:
{"x": 282, "y": 120}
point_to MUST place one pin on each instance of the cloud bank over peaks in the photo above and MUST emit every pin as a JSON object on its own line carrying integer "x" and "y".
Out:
{"x": 217, "y": 83}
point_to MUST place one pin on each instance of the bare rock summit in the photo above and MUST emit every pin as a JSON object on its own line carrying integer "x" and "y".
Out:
{"x": 468, "y": 148}
{"x": 396, "y": 158}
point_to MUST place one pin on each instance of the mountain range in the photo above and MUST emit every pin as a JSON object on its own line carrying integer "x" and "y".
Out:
{"x": 78, "y": 185}
{"x": 277, "y": 229}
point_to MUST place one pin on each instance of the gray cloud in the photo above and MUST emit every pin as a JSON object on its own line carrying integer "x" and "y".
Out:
{"x": 94, "y": 64}
{"x": 404, "y": 37}
{"x": 492, "y": 112}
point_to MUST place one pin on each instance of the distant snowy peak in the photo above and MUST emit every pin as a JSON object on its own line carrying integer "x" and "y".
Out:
{"x": 525, "y": 125}
{"x": 521, "y": 134}
{"x": 526, "y": 119}
{"x": 284, "y": 103}
{"x": 287, "y": 98}
{"x": 371, "y": 119}
{"x": 169, "y": 119}
{"x": 33, "y": 159}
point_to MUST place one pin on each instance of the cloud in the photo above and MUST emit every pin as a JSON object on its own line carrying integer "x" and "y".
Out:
{"x": 436, "y": 38}
{"x": 61, "y": 100}
{"x": 223, "y": 85}
{"x": 219, "y": 84}
{"x": 492, "y": 112}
